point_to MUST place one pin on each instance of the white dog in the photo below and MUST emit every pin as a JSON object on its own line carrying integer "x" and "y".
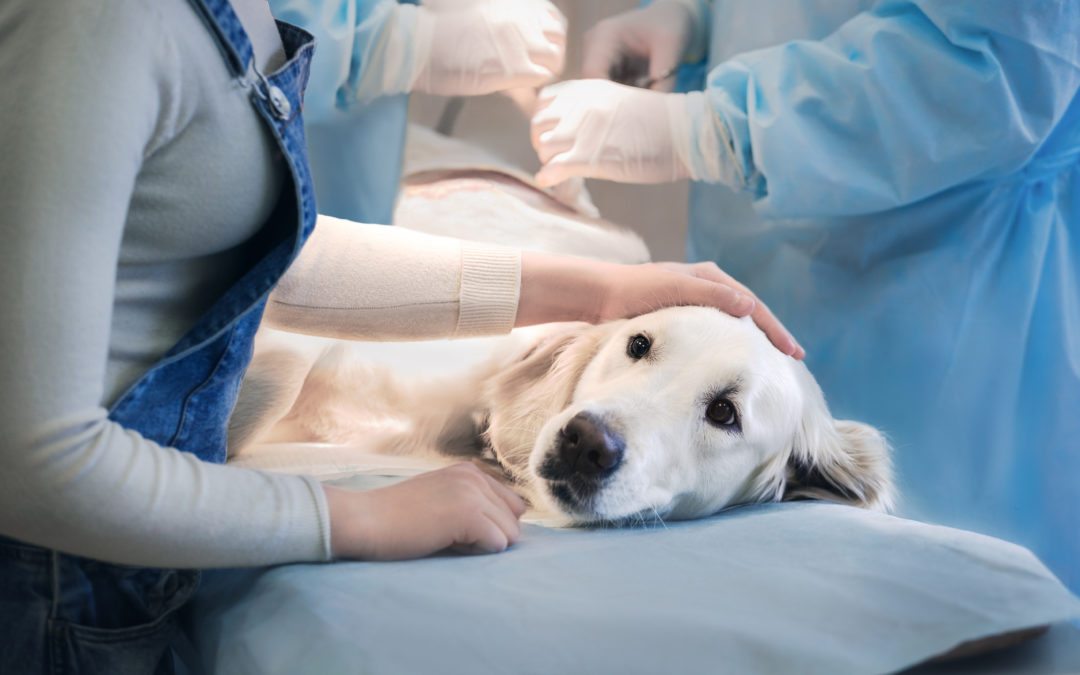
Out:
{"x": 675, "y": 414}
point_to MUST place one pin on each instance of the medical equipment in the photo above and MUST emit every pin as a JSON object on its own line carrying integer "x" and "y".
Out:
{"x": 634, "y": 72}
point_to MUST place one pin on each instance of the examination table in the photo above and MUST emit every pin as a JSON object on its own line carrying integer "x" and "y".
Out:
{"x": 802, "y": 587}
{"x": 780, "y": 588}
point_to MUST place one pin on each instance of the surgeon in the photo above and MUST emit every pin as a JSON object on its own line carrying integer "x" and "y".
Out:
{"x": 900, "y": 181}
{"x": 371, "y": 53}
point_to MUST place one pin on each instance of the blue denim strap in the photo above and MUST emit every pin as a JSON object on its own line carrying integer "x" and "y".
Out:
{"x": 222, "y": 21}
{"x": 185, "y": 399}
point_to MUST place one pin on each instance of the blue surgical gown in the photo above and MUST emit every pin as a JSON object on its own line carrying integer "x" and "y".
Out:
{"x": 355, "y": 120}
{"x": 910, "y": 207}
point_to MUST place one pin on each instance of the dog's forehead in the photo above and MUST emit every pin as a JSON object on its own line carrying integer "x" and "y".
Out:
{"x": 703, "y": 328}
{"x": 708, "y": 345}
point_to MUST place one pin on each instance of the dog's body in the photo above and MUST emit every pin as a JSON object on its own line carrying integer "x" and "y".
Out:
{"x": 678, "y": 413}
{"x": 674, "y": 414}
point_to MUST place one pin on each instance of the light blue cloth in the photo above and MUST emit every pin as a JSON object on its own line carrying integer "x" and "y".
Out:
{"x": 781, "y": 588}
{"x": 911, "y": 210}
{"x": 356, "y": 106}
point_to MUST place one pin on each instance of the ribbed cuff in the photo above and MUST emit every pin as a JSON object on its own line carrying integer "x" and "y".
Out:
{"x": 490, "y": 290}
{"x": 322, "y": 514}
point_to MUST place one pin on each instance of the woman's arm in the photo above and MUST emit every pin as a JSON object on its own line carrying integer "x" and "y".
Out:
{"x": 372, "y": 282}
{"x": 87, "y": 90}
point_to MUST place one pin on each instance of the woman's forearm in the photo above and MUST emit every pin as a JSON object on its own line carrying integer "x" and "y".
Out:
{"x": 373, "y": 282}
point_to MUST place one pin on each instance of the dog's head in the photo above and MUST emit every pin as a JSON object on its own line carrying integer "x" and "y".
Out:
{"x": 675, "y": 414}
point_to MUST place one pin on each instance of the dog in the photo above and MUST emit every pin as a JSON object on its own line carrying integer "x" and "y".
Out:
{"x": 676, "y": 414}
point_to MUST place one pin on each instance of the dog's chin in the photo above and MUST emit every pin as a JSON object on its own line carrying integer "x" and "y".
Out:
{"x": 582, "y": 505}
{"x": 574, "y": 501}
{"x": 579, "y": 501}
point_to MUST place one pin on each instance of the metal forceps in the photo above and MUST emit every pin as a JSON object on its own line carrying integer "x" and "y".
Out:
{"x": 634, "y": 72}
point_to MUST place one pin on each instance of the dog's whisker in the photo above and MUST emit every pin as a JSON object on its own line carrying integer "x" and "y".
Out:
{"x": 499, "y": 418}
{"x": 659, "y": 518}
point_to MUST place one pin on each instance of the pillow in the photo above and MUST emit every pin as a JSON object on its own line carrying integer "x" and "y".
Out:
{"x": 803, "y": 587}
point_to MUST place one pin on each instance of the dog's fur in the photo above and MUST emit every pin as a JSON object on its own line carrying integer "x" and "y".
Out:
{"x": 515, "y": 411}
{"x": 521, "y": 410}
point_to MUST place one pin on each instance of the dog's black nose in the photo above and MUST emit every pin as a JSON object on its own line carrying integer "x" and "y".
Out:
{"x": 588, "y": 447}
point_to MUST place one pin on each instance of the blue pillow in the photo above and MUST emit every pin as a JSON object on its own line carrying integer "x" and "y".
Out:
{"x": 801, "y": 587}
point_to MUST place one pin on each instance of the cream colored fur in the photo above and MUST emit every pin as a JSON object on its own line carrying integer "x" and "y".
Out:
{"x": 508, "y": 412}
{"x": 511, "y": 409}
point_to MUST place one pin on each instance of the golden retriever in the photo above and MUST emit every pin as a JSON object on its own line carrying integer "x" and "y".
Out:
{"x": 675, "y": 414}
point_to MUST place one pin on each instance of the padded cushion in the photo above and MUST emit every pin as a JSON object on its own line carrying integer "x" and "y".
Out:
{"x": 799, "y": 587}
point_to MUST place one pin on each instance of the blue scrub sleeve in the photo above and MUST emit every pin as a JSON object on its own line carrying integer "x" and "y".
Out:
{"x": 365, "y": 49}
{"x": 901, "y": 102}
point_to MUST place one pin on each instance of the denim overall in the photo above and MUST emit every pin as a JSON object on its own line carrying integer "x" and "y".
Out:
{"x": 64, "y": 614}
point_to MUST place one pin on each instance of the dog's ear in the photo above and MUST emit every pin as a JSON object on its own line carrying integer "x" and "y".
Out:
{"x": 551, "y": 365}
{"x": 840, "y": 461}
{"x": 536, "y": 360}
{"x": 835, "y": 460}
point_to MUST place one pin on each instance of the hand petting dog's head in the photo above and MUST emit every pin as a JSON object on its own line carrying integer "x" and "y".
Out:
{"x": 674, "y": 414}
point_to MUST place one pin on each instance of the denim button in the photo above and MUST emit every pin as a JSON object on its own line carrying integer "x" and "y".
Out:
{"x": 280, "y": 103}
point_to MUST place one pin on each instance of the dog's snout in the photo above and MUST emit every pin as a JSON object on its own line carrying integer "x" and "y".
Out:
{"x": 589, "y": 447}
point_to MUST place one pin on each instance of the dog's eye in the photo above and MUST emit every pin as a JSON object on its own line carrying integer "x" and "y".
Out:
{"x": 638, "y": 346}
{"x": 721, "y": 413}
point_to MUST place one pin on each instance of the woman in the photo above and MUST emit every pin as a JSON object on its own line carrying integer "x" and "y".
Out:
{"x": 154, "y": 189}
{"x": 899, "y": 179}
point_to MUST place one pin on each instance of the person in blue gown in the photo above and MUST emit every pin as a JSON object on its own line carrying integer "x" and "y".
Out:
{"x": 370, "y": 54}
{"x": 900, "y": 181}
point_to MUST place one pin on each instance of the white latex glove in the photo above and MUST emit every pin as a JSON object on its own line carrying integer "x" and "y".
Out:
{"x": 484, "y": 46}
{"x": 643, "y": 47}
{"x": 599, "y": 129}
{"x": 443, "y": 5}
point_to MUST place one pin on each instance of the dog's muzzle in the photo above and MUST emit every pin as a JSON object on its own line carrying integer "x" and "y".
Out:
{"x": 586, "y": 452}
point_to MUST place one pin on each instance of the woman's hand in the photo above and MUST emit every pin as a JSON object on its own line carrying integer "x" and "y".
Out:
{"x": 564, "y": 288}
{"x": 761, "y": 314}
{"x": 458, "y": 507}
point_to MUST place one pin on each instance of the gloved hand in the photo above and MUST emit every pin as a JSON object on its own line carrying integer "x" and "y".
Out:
{"x": 599, "y": 129}
{"x": 643, "y": 47}
{"x": 483, "y": 46}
